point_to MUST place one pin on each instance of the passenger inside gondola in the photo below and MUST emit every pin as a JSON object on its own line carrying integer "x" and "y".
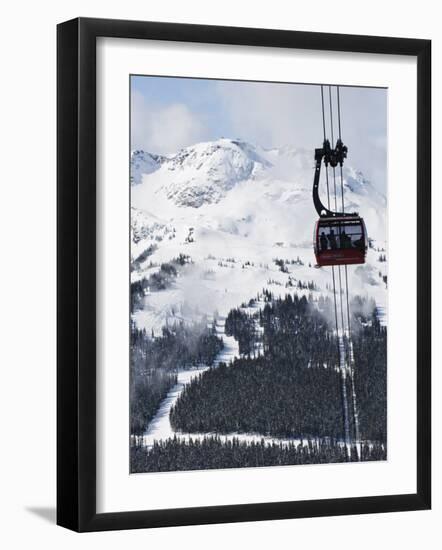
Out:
{"x": 332, "y": 240}
{"x": 359, "y": 243}
{"x": 345, "y": 240}
{"x": 323, "y": 241}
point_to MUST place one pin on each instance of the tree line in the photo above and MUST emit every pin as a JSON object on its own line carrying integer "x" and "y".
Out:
{"x": 211, "y": 452}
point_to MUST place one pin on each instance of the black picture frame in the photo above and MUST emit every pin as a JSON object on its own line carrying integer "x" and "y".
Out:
{"x": 76, "y": 273}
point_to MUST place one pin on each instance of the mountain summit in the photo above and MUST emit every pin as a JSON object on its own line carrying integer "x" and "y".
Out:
{"x": 202, "y": 173}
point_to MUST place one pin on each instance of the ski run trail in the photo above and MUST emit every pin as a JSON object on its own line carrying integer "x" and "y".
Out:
{"x": 159, "y": 427}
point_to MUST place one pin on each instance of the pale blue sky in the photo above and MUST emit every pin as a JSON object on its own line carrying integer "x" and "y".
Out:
{"x": 169, "y": 113}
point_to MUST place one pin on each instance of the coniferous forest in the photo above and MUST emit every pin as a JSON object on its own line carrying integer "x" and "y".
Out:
{"x": 291, "y": 388}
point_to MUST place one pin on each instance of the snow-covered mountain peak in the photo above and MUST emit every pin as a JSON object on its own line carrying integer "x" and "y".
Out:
{"x": 203, "y": 173}
{"x": 142, "y": 162}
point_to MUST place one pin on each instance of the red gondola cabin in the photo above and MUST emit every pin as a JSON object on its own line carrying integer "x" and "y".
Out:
{"x": 340, "y": 241}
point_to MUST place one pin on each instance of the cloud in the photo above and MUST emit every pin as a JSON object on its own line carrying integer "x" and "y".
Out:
{"x": 164, "y": 128}
{"x": 273, "y": 115}
{"x": 270, "y": 114}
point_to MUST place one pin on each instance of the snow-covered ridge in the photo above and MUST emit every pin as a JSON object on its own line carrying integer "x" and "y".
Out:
{"x": 141, "y": 163}
{"x": 202, "y": 173}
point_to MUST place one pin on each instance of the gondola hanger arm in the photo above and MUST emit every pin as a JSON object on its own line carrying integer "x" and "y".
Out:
{"x": 332, "y": 157}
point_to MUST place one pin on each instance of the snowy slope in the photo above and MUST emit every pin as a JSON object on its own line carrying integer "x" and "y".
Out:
{"x": 233, "y": 208}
